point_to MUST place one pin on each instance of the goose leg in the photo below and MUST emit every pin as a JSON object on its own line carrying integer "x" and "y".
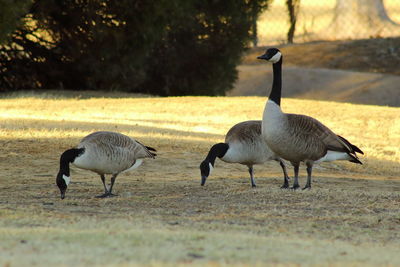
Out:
{"x": 296, "y": 176}
{"x": 309, "y": 171}
{"x": 103, "y": 179}
{"x": 285, "y": 175}
{"x": 111, "y": 186}
{"x": 253, "y": 183}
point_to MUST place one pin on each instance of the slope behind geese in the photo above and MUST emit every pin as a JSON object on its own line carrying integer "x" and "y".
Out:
{"x": 299, "y": 138}
{"x": 103, "y": 153}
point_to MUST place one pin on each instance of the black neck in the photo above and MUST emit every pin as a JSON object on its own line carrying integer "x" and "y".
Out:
{"x": 275, "y": 94}
{"x": 67, "y": 157}
{"x": 217, "y": 150}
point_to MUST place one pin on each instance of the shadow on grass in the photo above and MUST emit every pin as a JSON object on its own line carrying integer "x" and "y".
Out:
{"x": 48, "y": 125}
{"x": 70, "y": 94}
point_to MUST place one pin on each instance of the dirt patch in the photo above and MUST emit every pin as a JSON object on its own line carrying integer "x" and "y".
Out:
{"x": 321, "y": 84}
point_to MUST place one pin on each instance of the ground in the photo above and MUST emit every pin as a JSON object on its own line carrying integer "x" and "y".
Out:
{"x": 380, "y": 55}
{"x": 163, "y": 217}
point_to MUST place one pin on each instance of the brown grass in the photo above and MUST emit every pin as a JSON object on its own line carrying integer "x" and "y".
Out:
{"x": 163, "y": 217}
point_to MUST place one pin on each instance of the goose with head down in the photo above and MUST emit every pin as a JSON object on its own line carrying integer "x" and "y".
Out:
{"x": 244, "y": 145}
{"x": 103, "y": 153}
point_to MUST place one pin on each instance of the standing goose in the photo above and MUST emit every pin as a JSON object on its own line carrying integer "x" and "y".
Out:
{"x": 244, "y": 145}
{"x": 103, "y": 153}
{"x": 299, "y": 138}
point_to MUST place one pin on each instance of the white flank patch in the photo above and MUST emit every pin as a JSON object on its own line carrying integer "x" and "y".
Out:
{"x": 137, "y": 164}
{"x": 276, "y": 57}
{"x": 67, "y": 179}
{"x": 334, "y": 155}
{"x": 211, "y": 168}
{"x": 134, "y": 166}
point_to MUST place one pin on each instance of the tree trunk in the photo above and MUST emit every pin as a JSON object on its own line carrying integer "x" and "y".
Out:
{"x": 254, "y": 33}
{"x": 361, "y": 19}
{"x": 293, "y": 7}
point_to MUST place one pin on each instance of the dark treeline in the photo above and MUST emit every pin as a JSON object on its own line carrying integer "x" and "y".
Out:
{"x": 162, "y": 47}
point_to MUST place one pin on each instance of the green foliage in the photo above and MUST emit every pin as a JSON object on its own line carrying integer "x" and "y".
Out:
{"x": 164, "y": 47}
{"x": 10, "y": 16}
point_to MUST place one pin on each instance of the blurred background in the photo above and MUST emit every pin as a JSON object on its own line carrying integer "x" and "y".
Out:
{"x": 310, "y": 20}
{"x": 178, "y": 47}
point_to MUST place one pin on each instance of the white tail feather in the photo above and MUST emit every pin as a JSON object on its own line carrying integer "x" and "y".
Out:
{"x": 334, "y": 155}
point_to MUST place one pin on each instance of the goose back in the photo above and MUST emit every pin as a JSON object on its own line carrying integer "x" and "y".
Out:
{"x": 246, "y": 145}
{"x": 110, "y": 152}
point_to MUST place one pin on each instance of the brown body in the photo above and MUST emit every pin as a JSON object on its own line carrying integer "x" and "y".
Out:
{"x": 244, "y": 144}
{"x": 299, "y": 138}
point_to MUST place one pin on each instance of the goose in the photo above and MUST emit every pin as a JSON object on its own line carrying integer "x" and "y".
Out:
{"x": 299, "y": 138}
{"x": 244, "y": 145}
{"x": 103, "y": 153}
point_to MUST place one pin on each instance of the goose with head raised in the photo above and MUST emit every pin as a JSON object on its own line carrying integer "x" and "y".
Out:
{"x": 299, "y": 138}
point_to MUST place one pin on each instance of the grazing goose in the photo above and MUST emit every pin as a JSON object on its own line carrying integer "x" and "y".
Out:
{"x": 244, "y": 145}
{"x": 299, "y": 138}
{"x": 103, "y": 153}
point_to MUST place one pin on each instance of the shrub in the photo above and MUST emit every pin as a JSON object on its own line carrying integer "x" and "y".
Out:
{"x": 163, "y": 47}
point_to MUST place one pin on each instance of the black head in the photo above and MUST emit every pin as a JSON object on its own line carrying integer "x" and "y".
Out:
{"x": 205, "y": 169}
{"x": 272, "y": 54}
{"x": 62, "y": 182}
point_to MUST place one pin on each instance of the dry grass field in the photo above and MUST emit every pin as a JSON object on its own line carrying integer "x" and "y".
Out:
{"x": 163, "y": 217}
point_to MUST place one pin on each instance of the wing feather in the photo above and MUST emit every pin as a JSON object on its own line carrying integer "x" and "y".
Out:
{"x": 246, "y": 131}
{"x": 316, "y": 138}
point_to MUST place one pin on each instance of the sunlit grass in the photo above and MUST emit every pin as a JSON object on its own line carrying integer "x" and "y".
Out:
{"x": 163, "y": 217}
{"x": 375, "y": 129}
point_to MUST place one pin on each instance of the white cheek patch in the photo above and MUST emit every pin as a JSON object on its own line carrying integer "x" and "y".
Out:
{"x": 276, "y": 57}
{"x": 211, "y": 168}
{"x": 67, "y": 179}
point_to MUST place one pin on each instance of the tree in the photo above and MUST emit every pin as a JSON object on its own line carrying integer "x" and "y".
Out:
{"x": 360, "y": 19}
{"x": 293, "y": 7}
{"x": 10, "y": 14}
{"x": 256, "y": 7}
{"x": 199, "y": 56}
{"x": 164, "y": 47}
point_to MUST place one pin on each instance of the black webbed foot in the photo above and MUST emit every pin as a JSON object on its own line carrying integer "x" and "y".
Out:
{"x": 295, "y": 187}
{"x": 285, "y": 186}
{"x": 105, "y": 195}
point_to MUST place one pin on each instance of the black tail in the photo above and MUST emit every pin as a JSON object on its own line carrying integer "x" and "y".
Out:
{"x": 151, "y": 149}
{"x": 355, "y": 148}
{"x": 354, "y": 159}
